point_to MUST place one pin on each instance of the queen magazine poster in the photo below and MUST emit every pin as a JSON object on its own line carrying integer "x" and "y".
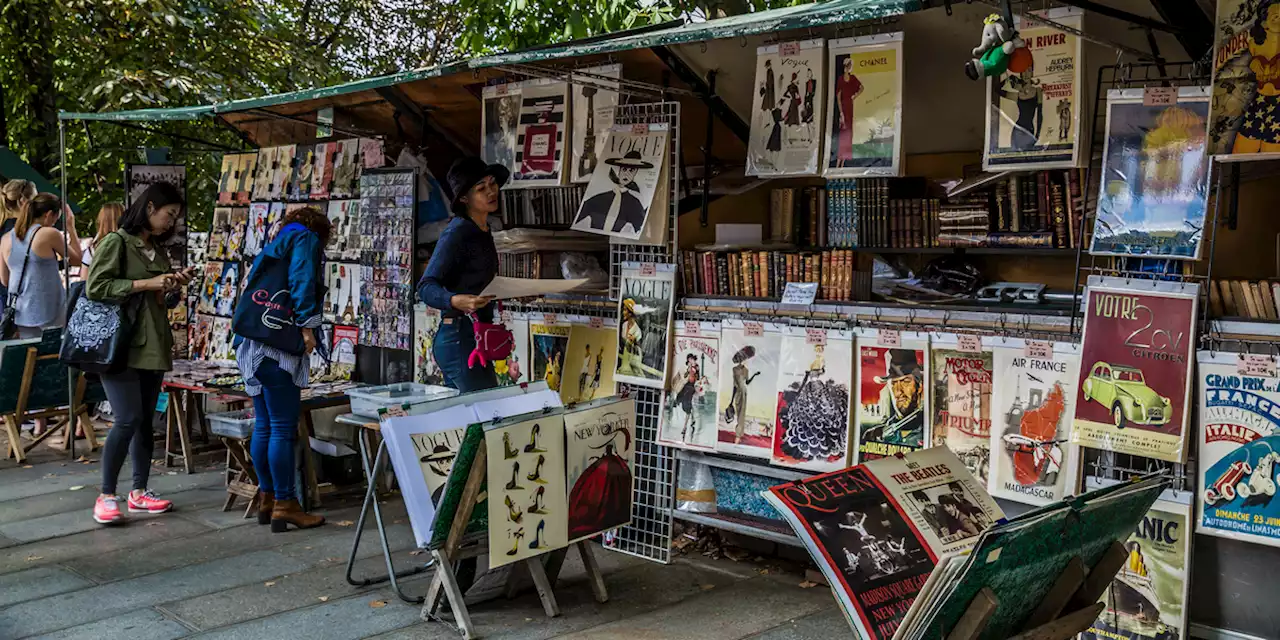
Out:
{"x": 1135, "y": 367}
{"x": 962, "y": 388}
{"x": 786, "y": 121}
{"x": 1032, "y": 458}
{"x": 747, "y": 398}
{"x": 1245, "y": 95}
{"x": 540, "y": 136}
{"x": 893, "y": 402}
{"x": 500, "y": 118}
{"x": 645, "y": 302}
{"x": 1155, "y": 176}
{"x": 815, "y": 384}
{"x": 864, "y": 112}
{"x": 1033, "y": 117}
{"x": 600, "y": 446}
{"x": 620, "y": 196}
{"x": 876, "y": 530}
{"x": 595, "y": 97}
{"x": 689, "y": 404}
{"x": 1239, "y": 447}
{"x": 528, "y": 497}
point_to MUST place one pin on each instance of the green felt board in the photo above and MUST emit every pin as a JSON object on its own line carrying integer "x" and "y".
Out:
{"x": 472, "y": 441}
{"x": 49, "y": 383}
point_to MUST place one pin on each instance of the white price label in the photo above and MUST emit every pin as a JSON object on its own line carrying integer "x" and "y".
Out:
{"x": 1039, "y": 349}
{"x": 1159, "y": 96}
{"x": 969, "y": 343}
{"x": 502, "y": 89}
{"x": 1257, "y": 365}
{"x": 691, "y": 327}
{"x": 648, "y": 269}
{"x": 753, "y": 329}
{"x": 549, "y": 318}
{"x": 802, "y": 293}
{"x": 596, "y": 323}
{"x": 639, "y": 129}
{"x": 890, "y": 338}
{"x": 815, "y": 336}
{"x": 789, "y": 48}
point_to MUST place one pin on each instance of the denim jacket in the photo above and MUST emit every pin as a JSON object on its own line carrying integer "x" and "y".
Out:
{"x": 299, "y": 247}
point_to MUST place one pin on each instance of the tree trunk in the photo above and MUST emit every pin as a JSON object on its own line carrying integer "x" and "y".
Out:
{"x": 35, "y": 59}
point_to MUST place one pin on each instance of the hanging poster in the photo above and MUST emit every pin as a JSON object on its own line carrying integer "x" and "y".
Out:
{"x": 962, "y": 386}
{"x": 1135, "y": 367}
{"x": 864, "y": 107}
{"x": 893, "y": 402}
{"x": 372, "y": 155}
{"x": 233, "y": 240}
{"x": 286, "y": 166}
{"x": 515, "y": 369}
{"x": 343, "y": 352}
{"x": 139, "y": 177}
{"x": 342, "y": 300}
{"x": 620, "y": 195}
{"x": 528, "y": 510}
{"x": 1239, "y": 435}
{"x": 600, "y": 448}
{"x": 593, "y": 109}
{"x": 346, "y": 170}
{"x": 344, "y": 215}
{"x": 1245, "y": 96}
{"x": 548, "y": 340}
{"x": 1032, "y": 458}
{"x": 500, "y": 121}
{"x": 245, "y": 167}
{"x": 540, "y": 136}
{"x": 426, "y": 324}
{"x": 1033, "y": 117}
{"x": 211, "y": 282}
{"x": 689, "y": 405}
{"x": 747, "y": 402}
{"x": 220, "y": 339}
{"x": 265, "y": 175}
{"x": 300, "y": 184}
{"x": 814, "y": 388}
{"x": 228, "y": 288}
{"x": 1155, "y": 176}
{"x": 256, "y": 231}
{"x": 219, "y": 227}
{"x": 227, "y": 178}
{"x": 786, "y": 126}
{"x": 322, "y": 173}
{"x": 590, "y": 360}
{"x": 274, "y": 222}
{"x": 645, "y": 302}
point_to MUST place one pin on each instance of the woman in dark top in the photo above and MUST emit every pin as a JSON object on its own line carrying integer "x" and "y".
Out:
{"x": 465, "y": 261}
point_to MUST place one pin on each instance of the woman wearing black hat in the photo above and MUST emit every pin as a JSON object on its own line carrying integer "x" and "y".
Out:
{"x": 464, "y": 262}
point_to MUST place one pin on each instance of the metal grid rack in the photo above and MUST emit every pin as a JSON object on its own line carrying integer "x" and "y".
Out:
{"x": 650, "y": 113}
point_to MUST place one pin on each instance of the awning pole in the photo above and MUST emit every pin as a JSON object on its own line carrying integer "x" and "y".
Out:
{"x": 66, "y": 282}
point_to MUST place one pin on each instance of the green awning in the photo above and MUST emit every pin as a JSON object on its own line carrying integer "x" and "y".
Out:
{"x": 143, "y": 115}
{"x": 12, "y": 167}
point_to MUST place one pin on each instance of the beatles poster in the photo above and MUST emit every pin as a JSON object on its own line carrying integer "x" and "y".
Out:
{"x": 1155, "y": 176}
{"x": 500, "y": 120}
{"x": 620, "y": 196}
{"x": 1245, "y": 96}
{"x": 786, "y": 124}
{"x": 645, "y": 302}
{"x": 893, "y": 403}
{"x": 747, "y": 397}
{"x": 549, "y": 341}
{"x": 962, "y": 385}
{"x": 864, "y": 107}
{"x": 1239, "y": 435}
{"x": 528, "y": 510}
{"x": 593, "y": 109}
{"x": 815, "y": 384}
{"x": 590, "y": 359}
{"x": 541, "y": 135}
{"x": 1033, "y": 117}
{"x": 689, "y": 404}
{"x": 426, "y": 324}
{"x": 1135, "y": 367}
{"x": 1032, "y": 458}
{"x": 600, "y": 448}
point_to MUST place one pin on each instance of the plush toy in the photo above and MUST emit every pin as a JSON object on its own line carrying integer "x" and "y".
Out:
{"x": 1001, "y": 50}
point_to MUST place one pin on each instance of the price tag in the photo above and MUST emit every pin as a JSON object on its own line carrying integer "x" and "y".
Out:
{"x": 648, "y": 269}
{"x": 753, "y": 329}
{"x": 969, "y": 343}
{"x": 1159, "y": 96}
{"x": 789, "y": 48}
{"x": 890, "y": 338}
{"x": 394, "y": 412}
{"x": 815, "y": 336}
{"x": 596, "y": 323}
{"x": 692, "y": 327}
{"x": 1039, "y": 349}
{"x": 801, "y": 293}
{"x": 506, "y": 316}
{"x": 502, "y": 89}
{"x": 1257, "y": 365}
{"x": 639, "y": 129}
{"x": 549, "y": 318}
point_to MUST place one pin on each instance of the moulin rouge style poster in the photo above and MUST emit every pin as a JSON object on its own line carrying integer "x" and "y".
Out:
{"x": 689, "y": 406}
{"x": 1135, "y": 367}
{"x": 621, "y": 194}
{"x": 962, "y": 385}
{"x": 747, "y": 400}
{"x": 593, "y": 111}
{"x": 786, "y": 122}
{"x": 540, "y": 137}
{"x": 815, "y": 383}
{"x": 864, "y": 112}
{"x": 599, "y": 449}
{"x": 893, "y": 405}
{"x": 1245, "y": 93}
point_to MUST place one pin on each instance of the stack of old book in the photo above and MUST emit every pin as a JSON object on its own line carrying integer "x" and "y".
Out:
{"x": 764, "y": 273}
{"x": 1244, "y": 299}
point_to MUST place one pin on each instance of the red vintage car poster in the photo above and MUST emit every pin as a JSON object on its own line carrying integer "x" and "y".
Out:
{"x": 1135, "y": 367}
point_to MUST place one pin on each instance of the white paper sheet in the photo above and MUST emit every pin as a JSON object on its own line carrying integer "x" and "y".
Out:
{"x": 504, "y": 288}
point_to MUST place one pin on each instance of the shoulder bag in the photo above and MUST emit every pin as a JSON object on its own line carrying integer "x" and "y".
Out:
{"x": 98, "y": 333}
{"x": 265, "y": 311}
{"x": 493, "y": 341}
{"x": 8, "y": 320}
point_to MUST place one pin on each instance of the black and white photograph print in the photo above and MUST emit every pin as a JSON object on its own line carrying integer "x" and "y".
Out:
{"x": 870, "y": 541}
{"x": 501, "y": 118}
{"x": 621, "y": 192}
{"x": 950, "y": 511}
{"x": 593, "y": 110}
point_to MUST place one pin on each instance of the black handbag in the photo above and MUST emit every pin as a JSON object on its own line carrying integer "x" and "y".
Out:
{"x": 98, "y": 333}
{"x": 9, "y": 319}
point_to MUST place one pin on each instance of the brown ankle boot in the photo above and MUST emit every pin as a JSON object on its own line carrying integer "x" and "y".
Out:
{"x": 289, "y": 512}
{"x": 266, "y": 503}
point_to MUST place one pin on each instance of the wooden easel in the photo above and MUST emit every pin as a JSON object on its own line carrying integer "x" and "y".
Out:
{"x": 1077, "y": 592}
{"x": 13, "y": 420}
{"x": 243, "y": 481}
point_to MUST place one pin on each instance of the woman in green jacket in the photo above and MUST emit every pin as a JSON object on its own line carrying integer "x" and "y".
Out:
{"x": 129, "y": 262}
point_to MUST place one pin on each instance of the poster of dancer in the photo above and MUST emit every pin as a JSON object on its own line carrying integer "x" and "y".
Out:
{"x": 814, "y": 388}
{"x": 590, "y": 359}
{"x": 426, "y": 323}
{"x": 528, "y": 496}
{"x": 600, "y": 448}
{"x": 864, "y": 107}
{"x": 1032, "y": 458}
{"x": 1245, "y": 95}
{"x": 689, "y": 404}
{"x": 500, "y": 119}
{"x": 540, "y": 137}
{"x": 962, "y": 384}
{"x": 548, "y": 341}
{"x": 1155, "y": 176}
{"x": 622, "y": 190}
{"x": 786, "y": 121}
{"x": 593, "y": 109}
{"x": 747, "y": 401}
{"x": 1033, "y": 117}
{"x": 893, "y": 403}
{"x": 645, "y": 303}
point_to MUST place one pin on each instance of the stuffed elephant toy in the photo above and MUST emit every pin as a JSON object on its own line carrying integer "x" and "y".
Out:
{"x": 991, "y": 57}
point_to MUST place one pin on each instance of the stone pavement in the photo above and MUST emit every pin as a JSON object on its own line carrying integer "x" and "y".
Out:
{"x": 199, "y": 572}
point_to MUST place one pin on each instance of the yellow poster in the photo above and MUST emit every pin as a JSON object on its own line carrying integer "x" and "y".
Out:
{"x": 864, "y": 107}
{"x": 1246, "y": 91}
{"x": 528, "y": 514}
{"x": 589, "y": 360}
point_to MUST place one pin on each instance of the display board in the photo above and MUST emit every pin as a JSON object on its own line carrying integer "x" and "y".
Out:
{"x": 864, "y": 106}
{"x": 387, "y": 201}
{"x": 627, "y": 189}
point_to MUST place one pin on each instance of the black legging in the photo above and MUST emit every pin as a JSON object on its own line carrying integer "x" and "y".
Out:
{"x": 132, "y": 394}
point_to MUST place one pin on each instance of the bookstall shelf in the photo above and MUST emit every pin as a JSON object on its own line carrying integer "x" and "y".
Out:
{"x": 1001, "y": 251}
{"x": 742, "y": 526}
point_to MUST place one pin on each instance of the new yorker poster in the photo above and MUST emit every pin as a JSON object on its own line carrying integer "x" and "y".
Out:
{"x": 599, "y": 448}
{"x": 864, "y": 112}
{"x": 786, "y": 118}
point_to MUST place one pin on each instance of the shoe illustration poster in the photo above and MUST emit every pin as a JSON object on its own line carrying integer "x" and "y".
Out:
{"x": 528, "y": 512}
{"x": 1135, "y": 367}
{"x": 600, "y": 445}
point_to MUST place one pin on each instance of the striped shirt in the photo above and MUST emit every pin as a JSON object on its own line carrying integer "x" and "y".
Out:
{"x": 251, "y": 353}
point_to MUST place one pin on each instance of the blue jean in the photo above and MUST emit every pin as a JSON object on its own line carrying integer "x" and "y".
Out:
{"x": 275, "y": 431}
{"x": 452, "y": 348}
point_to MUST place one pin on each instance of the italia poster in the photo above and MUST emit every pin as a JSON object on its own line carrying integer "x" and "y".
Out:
{"x": 786, "y": 124}
{"x": 864, "y": 107}
{"x": 962, "y": 385}
{"x": 645, "y": 302}
{"x": 748, "y": 404}
{"x": 815, "y": 383}
{"x": 1033, "y": 117}
{"x": 689, "y": 406}
{"x": 893, "y": 402}
{"x": 1245, "y": 95}
{"x": 1135, "y": 367}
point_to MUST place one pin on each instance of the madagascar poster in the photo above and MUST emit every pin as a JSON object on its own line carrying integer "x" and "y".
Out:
{"x": 962, "y": 384}
{"x": 893, "y": 405}
{"x": 864, "y": 112}
{"x": 599, "y": 447}
{"x": 1245, "y": 94}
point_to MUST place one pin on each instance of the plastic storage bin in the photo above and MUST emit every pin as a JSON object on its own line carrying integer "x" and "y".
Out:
{"x": 232, "y": 424}
{"x": 366, "y": 401}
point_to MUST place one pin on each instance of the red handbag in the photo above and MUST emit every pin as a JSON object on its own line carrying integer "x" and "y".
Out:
{"x": 493, "y": 342}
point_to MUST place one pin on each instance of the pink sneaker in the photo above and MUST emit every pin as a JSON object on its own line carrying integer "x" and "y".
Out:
{"x": 147, "y": 502}
{"x": 107, "y": 510}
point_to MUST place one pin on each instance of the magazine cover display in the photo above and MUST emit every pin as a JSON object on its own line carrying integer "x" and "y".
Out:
{"x": 264, "y": 176}
{"x": 786, "y": 124}
{"x": 220, "y": 339}
{"x": 346, "y": 170}
{"x": 255, "y": 233}
{"x": 876, "y": 530}
{"x": 1155, "y": 176}
{"x": 286, "y": 165}
{"x": 864, "y": 106}
{"x": 689, "y": 402}
{"x": 600, "y": 449}
{"x": 623, "y": 190}
{"x": 540, "y": 136}
{"x": 548, "y": 342}
{"x": 593, "y": 111}
{"x": 515, "y": 369}
{"x": 1245, "y": 95}
{"x": 426, "y": 324}
{"x": 138, "y": 177}
{"x": 962, "y": 390}
{"x": 1135, "y": 367}
{"x": 1032, "y": 458}
{"x": 1033, "y": 117}
{"x": 233, "y": 238}
{"x": 893, "y": 402}
{"x": 814, "y": 387}
{"x": 300, "y": 184}
{"x": 590, "y": 359}
{"x": 527, "y": 494}
{"x": 747, "y": 402}
{"x": 322, "y": 173}
{"x": 219, "y": 227}
{"x": 500, "y": 119}
{"x": 646, "y": 300}
{"x": 211, "y": 284}
{"x": 1239, "y": 449}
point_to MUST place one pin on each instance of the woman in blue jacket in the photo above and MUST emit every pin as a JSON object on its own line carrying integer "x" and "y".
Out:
{"x": 275, "y": 324}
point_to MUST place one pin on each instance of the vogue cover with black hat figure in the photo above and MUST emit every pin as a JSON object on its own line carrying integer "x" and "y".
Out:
{"x": 620, "y": 195}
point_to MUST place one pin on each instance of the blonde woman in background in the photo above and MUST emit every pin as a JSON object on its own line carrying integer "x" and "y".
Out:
{"x": 108, "y": 222}
{"x": 13, "y": 195}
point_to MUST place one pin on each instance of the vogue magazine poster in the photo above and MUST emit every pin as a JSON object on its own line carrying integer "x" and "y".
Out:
{"x": 893, "y": 403}
{"x": 786, "y": 120}
{"x": 540, "y": 136}
{"x": 500, "y": 119}
{"x": 747, "y": 396}
{"x": 815, "y": 384}
{"x": 864, "y": 107}
{"x": 600, "y": 439}
{"x": 689, "y": 404}
{"x": 593, "y": 109}
{"x": 621, "y": 194}
{"x": 1244, "y": 66}
{"x": 645, "y": 302}
{"x": 962, "y": 387}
